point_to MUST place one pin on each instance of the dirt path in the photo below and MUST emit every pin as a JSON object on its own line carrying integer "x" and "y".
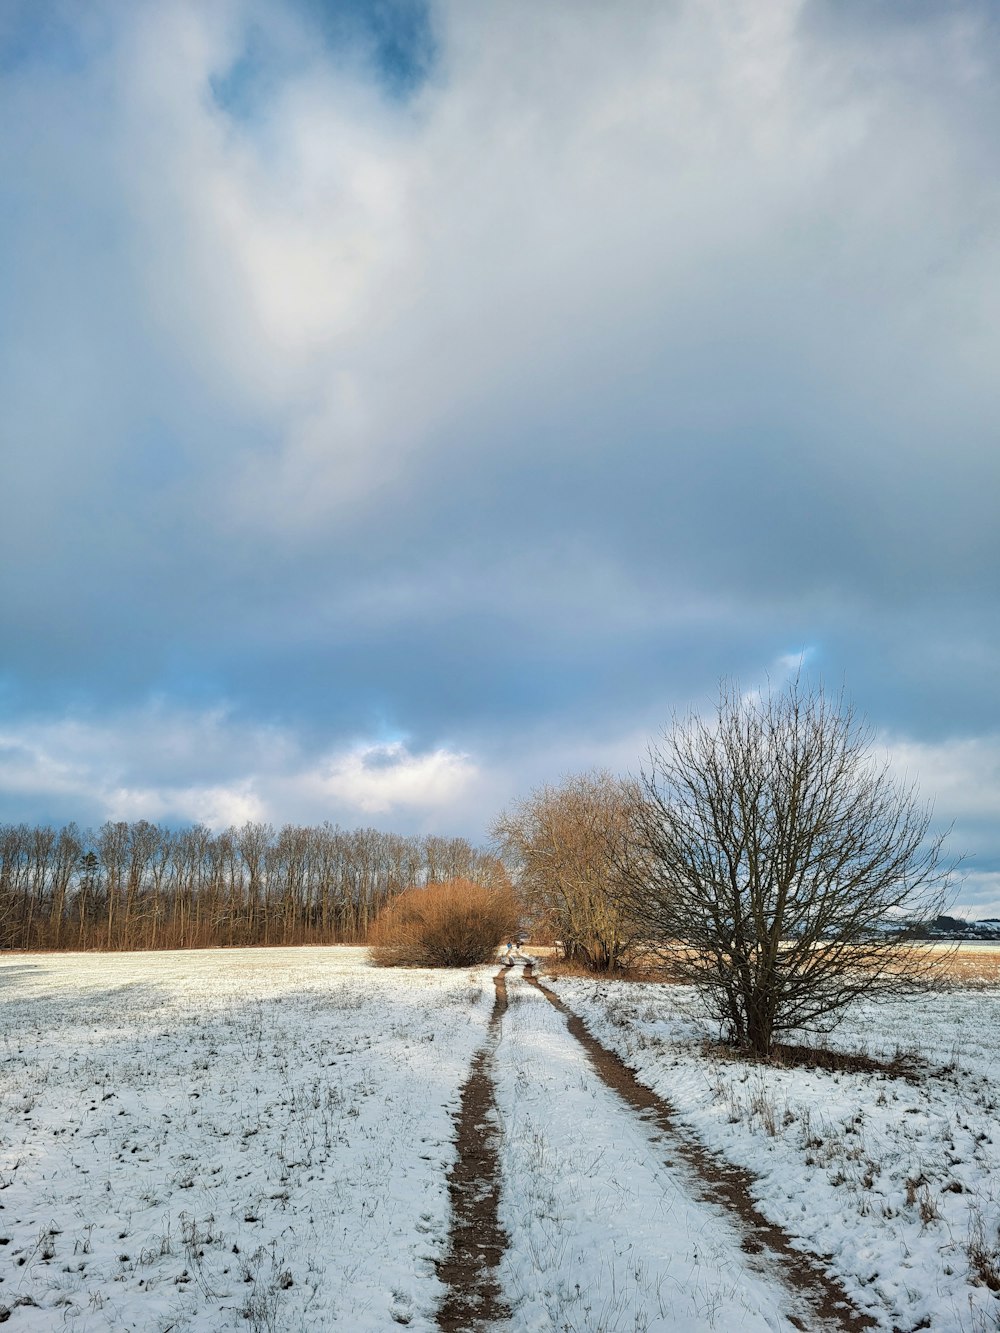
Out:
{"x": 479, "y": 1246}
{"x": 477, "y": 1240}
{"x": 819, "y": 1299}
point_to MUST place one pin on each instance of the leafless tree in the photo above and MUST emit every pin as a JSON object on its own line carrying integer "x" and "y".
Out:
{"x": 778, "y": 859}
{"x": 561, "y": 842}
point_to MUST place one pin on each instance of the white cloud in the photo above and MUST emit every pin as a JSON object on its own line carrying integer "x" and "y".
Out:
{"x": 270, "y": 253}
{"x": 216, "y": 807}
{"x": 961, "y": 775}
{"x": 164, "y": 764}
{"x": 979, "y": 895}
{"x": 792, "y": 663}
{"x": 378, "y": 779}
{"x": 960, "y": 778}
{"x": 359, "y": 275}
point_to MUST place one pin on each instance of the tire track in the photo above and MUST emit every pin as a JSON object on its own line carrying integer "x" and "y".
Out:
{"x": 822, "y": 1301}
{"x": 477, "y": 1241}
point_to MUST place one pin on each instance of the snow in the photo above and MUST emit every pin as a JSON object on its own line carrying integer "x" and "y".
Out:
{"x": 260, "y": 1140}
{"x": 253, "y": 1139}
{"x": 889, "y": 1178}
{"x": 603, "y": 1232}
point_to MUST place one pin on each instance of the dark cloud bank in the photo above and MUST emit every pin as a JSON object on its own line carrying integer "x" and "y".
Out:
{"x": 399, "y": 415}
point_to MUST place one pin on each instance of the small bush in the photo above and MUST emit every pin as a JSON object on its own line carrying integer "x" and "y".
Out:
{"x": 455, "y": 924}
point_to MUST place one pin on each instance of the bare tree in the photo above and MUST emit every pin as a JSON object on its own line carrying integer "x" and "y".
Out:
{"x": 561, "y": 843}
{"x": 781, "y": 861}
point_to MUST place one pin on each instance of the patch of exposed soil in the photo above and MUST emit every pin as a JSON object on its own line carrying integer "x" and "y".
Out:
{"x": 822, "y": 1302}
{"x": 822, "y": 1057}
{"x": 477, "y": 1240}
{"x": 851, "y": 1062}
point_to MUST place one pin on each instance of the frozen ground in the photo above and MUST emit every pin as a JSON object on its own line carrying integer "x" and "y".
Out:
{"x": 253, "y": 1139}
{"x": 897, "y": 1181}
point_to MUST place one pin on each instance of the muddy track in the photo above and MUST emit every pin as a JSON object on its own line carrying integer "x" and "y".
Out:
{"x": 820, "y": 1299}
{"x": 477, "y": 1241}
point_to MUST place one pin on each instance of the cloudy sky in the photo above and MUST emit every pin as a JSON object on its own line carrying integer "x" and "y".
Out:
{"x": 407, "y": 403}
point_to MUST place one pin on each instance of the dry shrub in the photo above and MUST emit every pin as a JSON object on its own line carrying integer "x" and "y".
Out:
{"x": 455, "y": 924}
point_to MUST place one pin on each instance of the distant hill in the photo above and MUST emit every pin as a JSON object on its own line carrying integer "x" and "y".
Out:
{"x": 959, "y": 928}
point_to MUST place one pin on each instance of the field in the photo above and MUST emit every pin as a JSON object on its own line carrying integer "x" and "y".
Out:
{"x": 969, "y": 964}
{"x": 262, "y": 1139}
{"x": 220, "y": 1139}
{"x": 894, "y": 1177}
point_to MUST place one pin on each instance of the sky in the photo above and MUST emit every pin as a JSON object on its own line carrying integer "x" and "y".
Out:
{"x": 407, "y": 403}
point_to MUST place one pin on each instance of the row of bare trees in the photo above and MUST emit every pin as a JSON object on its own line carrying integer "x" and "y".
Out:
{"x": 766, "y": 851}
{"x": 144, "y": 886}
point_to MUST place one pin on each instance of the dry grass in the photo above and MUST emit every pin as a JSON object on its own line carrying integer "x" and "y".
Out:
{"x": 983, "y": 1250}
{"x": 645, "y": 965}
{"x": 902, "y": 1065}
{"x": 971, "y": 965}
{"x": 648, "y": 970}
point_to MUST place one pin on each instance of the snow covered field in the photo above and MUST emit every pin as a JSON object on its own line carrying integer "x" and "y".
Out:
{"x": 253, "y": 1139}
{"x": 897, "y": 1181}
{"x": 260, "y": 1139}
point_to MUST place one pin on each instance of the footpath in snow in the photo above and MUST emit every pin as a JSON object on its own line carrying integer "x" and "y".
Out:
{"x": 893, "y": 1178}
{"x": 606, "y": 1232}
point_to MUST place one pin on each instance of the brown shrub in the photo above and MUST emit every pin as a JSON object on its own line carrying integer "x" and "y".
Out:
{"x": 455, "y": 924}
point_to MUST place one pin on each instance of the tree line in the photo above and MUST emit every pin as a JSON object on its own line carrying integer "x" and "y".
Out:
{"x": 141, "y": 885}
{"x": 764, "y": 853}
